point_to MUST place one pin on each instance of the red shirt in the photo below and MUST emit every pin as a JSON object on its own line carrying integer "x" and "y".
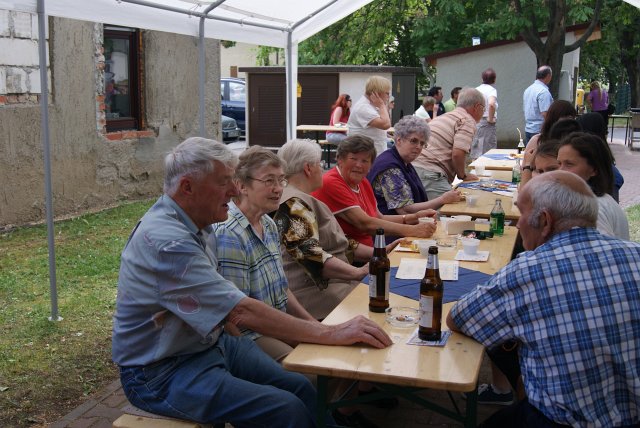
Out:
{"x": 339, "y": 197}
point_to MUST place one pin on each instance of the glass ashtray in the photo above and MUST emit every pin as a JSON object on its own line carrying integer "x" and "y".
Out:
{"x": 401, "y": 316}
{"x": 451, "y": 241}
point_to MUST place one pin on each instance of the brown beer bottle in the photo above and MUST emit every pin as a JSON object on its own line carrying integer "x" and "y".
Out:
{"x": 431, "y": 291}
{"x": 379, "y": 268}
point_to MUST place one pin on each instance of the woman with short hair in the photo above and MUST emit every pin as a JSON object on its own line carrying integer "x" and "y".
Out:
{"x": 247, "y": 244}
{"x": 395, "y": 182}
{"x": 350, "y": 197}
{"x": 370, "y": 114}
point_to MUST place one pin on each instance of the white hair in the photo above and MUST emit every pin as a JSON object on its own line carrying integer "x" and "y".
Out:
{"x": 569, "y": 208}
{"x": 296, "y": 153}
{"x": 194, "y": 157}
{"x": 469, "y": 97}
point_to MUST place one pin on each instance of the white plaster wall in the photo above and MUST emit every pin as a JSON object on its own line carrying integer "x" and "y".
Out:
{"x": 240, "y": 55}
{"x": 515, "y": 66}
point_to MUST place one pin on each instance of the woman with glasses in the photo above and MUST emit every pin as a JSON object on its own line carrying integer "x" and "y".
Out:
{"x": 247, "y": 244}
{"x": 395, "y": 182}
{"x": 340, "y": 111}
{"x": 350, "y": 197}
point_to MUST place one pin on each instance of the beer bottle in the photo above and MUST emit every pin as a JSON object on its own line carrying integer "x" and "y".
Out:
{"x": 496, "y": 218}
{"x": 379, "y": 268}
{"x": 431, "y": 291}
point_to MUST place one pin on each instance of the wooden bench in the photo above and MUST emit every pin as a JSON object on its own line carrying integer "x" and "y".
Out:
{"x": 328, "y": 148}
{"x": 137, "y": 418}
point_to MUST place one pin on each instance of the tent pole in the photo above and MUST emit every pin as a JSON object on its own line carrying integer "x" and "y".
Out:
{"x": 44, "y": 130}
{"x": 291, "y": 67}
{"x": 201, "y": 76}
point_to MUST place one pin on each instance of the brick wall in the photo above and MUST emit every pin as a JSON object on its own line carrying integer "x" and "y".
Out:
{"x": 19, "y": 66}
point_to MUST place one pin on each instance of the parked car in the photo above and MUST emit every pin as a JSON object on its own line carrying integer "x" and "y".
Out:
{"x": 233, "y": 95}
{"x": 230, "y": 129}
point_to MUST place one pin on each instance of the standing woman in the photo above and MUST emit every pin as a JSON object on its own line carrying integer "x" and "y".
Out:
{"x": 340, "y": 111}
{"x": 585, "y": 155}
{"x": 370, "y": 114}
{"x": 598, "y": 102}
{"x": 247, "y": 244}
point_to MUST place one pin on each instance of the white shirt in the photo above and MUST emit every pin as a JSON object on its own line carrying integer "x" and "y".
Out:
{"x": 612, "y": 221}
{"x": 488, "y": 91}
{"x": 362, "y": 113}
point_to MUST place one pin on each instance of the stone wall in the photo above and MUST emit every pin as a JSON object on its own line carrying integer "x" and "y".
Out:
{"x": 92, "y": 169}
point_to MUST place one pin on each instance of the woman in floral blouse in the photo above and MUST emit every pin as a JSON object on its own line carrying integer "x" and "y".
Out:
{"x": 317, "y": 256}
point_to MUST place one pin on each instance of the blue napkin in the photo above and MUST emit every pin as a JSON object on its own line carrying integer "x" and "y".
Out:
{"x": 479, "y": 185}
{"x": 497, "y": 156}
{"x": 453, "y": 290}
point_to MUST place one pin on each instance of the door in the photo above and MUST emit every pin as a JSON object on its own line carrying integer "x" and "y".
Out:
{"x": 267, "y": 108}
{"x": 403, "y": 88}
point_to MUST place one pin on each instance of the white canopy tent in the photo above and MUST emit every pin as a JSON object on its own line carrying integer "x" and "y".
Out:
{"x": 635, "y": 3}
{"x": 277, "y": 23}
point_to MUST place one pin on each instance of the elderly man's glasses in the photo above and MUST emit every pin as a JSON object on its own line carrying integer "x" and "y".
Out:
{"x": 272, "y": 181}
{"x": 417, "y": 142}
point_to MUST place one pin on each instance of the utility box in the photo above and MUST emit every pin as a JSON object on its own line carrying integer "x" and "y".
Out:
{"x": 319, "y": 87}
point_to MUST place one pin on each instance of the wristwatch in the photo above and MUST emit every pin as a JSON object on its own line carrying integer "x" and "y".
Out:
{"x": 527, "y": 167}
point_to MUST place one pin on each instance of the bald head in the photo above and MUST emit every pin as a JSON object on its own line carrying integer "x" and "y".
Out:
{"x": 565, "y": 197}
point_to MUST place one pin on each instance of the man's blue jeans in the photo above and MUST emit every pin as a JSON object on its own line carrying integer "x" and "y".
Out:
{"x": 234, "y": 382}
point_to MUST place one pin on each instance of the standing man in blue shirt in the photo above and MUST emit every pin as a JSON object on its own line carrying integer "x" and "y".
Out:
{"x": 174, "y": 356}
{"x": 536, "y": 101}
{"x": 572, "y": 304}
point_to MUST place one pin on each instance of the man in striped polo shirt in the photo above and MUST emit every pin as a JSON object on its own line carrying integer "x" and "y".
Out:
{"x": 444, "y": 156}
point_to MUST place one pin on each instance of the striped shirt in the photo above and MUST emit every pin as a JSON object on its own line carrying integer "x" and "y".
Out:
{"x": 573, "y": 304}
{"x": 253, "y": 264}
{"x": 451, "y": 130}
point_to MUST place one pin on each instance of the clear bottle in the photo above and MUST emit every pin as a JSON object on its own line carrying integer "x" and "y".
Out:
{"x": 379, "y": 268}
{"x": 516, "y": 172}
{"x": 431, "y": 292}
{"x": 497, "y": 218}
{"x": 521, "y": 146}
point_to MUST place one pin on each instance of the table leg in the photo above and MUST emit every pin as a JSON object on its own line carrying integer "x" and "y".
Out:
{"x": 611, "y": 136}
{"x": 321, "y": 415}
{"x": 472, "y": 409}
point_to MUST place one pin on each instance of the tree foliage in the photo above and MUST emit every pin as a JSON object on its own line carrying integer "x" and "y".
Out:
{"x": 377, "y": 34}
{"x": 505, "y": 20}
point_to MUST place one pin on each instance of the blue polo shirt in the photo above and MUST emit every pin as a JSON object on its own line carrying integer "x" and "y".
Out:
{"x": 171, "y": 298}
{"x": 535, "y": 100}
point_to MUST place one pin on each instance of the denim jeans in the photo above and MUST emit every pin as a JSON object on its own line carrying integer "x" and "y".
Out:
{"x": 233, "y": 381}
{"x": 435, "y": 183}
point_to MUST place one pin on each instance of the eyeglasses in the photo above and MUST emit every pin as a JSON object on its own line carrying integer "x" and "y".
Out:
{"x": 417, "y": 142}
{"x": 272, "y": 182}
{"x": 483, "y": 107}
{"x": 348, "y": 99}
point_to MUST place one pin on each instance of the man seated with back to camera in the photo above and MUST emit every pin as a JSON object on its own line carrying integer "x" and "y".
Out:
{"x": 572, "y": 303}
{"x": 175, "y": 358}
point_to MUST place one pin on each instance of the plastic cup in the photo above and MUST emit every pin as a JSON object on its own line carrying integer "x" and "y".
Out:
{"x": 479, "y": 169}
{"x": 472, "y": 200}
{"x": 470, "y": 246}
{"x": 424, "y": 244}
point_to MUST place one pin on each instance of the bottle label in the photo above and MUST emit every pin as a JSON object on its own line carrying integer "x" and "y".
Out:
{"x": 373, "y": 283}
{"x": 426, "y": 311}
{"x": 373, "y": 280}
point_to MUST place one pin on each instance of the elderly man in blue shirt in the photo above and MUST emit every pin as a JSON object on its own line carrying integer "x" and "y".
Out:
{"x": 536, "y": 101}
{"x": 572, "y": 303}
{"x": 175, "y": 358}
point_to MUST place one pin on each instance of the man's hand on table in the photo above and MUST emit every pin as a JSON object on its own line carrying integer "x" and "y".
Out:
{"x": 471, "y": 177}
{"x": 360, "y": 330}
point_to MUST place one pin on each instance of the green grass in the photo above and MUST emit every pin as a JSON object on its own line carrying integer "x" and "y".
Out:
{"x": 633, "y": 215}
{"x": 48, "y": 367}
